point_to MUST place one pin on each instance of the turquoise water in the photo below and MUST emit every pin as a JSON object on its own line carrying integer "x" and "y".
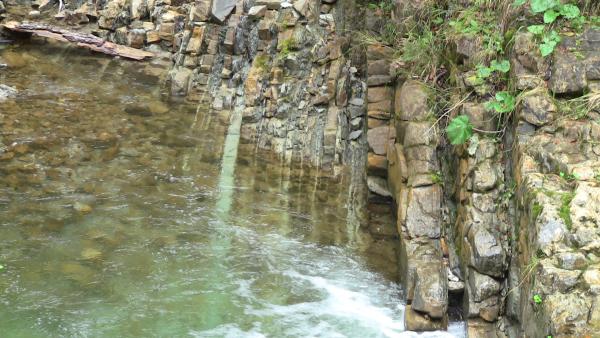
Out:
{"x": 124, "y": 215}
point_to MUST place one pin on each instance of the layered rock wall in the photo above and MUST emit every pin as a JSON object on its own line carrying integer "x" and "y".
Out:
{"x": 555, "y": 269}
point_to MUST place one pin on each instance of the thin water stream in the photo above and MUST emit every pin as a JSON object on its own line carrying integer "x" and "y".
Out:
{"x": 124, "y": 215}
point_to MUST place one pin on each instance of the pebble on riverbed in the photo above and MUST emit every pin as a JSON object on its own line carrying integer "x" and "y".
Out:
{"x": 91, "y": 254}
{"x": 82, "y": 208}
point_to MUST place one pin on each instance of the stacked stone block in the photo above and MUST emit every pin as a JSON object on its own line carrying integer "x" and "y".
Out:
{"x": 413, "y": 167}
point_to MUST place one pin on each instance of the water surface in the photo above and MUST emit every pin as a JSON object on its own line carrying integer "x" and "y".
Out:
{"x": 124, "y": 215}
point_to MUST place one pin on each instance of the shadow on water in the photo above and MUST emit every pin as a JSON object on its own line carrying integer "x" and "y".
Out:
{"x": 124, "y": 215}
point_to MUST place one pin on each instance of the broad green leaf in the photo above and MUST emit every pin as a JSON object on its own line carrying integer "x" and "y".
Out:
{"x": 505, "y": 103}
{"x": 536, "y": 29}
{"x": 459, "y": 130}
{"x": 550, "y": 16}
{"x": 547, "y": 48}
{"x": 518, "y": 3}
{"x": 484, "y": 72}
{"x": 1, "y": 267}
{"x": 502, "y": 66}
{"x": 540, "y": 6}
{"x": 569, "y": 11}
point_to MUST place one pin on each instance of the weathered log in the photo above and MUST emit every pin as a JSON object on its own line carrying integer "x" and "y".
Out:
{"x": 88, "y": 41}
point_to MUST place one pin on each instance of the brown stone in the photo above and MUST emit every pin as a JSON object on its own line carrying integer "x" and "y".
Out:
{"x": 415, "y": 321}
{"x": 377, "y": 165}
{"x": 377, "y": 94}
{"x": 378, "y": 139}
{"x": 383, "y": 106}
{"x": 411, "y": 103}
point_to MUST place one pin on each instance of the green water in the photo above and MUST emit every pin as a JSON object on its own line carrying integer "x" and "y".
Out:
{"x": 124, "y": 215}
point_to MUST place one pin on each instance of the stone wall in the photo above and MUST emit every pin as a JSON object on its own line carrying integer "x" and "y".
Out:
{"x": 555, "y": 267}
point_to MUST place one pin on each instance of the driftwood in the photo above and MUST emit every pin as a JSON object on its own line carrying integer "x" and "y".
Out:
{"x": 80, "y": 39}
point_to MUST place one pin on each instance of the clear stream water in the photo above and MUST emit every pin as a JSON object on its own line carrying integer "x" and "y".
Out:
{"x": 122, "y": 215}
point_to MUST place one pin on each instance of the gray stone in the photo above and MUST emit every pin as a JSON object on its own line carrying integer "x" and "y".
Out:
{"x": 567, "y": 74}
{"x": 271, "y": 4}
{"x": 431, "y": 290}
{"x": 552, "y": 279}
{"x": 415, "y": 321}
{"x": 302, "y": 6}
{"x": 355, "y": 134}
{"x": 379, "y": 139}
{"x": 378, "y": 186}
{"x": 488, "y": 255}
{"x": 424, "y": 211}
{"x": 482, "y": 286}
{"x": 257, "y": 11}
{"x": 221, "y": 9}
{"x": 486, "y": 176}
{"x": 538, "y": 109}
{"x": 411, "y": 103}
{"x": 572, "y": 260}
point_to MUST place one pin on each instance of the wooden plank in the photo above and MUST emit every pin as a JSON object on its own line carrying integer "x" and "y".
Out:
{"x": 84, "y": 40}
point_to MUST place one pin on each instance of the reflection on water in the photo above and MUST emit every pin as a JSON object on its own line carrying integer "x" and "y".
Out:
{"x": 111, "y": 223}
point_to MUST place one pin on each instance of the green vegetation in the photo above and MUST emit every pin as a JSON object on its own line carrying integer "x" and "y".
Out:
{"x": 431, "y": 43}
{"x": 504, "y": 103}
{"x": 385, "y": 6}
{"x": 564, "y": 212}
{"x": 536, "y": 210}
{"x": 495, "y": 66}
{"x": 459, "y": 130}
{"x": 262, "y": 63}
{"x": 437, "y": 178}
{"x": 287, "y": 46}
{"x": 537, "y": 299}
{"x": 568, "y": 177}
{"x": 551, "y": 10}
{"x": 527, "y": 271}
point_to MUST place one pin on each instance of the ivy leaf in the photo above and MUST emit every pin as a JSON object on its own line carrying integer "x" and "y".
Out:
{"x": 539, "y": 6}
{"x": 502, "y": 66}
{"x": 569, "y": 11}
{"x": 550, "y": 16}
{"x": 536, "y": 29}
{"x": 459, "y": 130}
